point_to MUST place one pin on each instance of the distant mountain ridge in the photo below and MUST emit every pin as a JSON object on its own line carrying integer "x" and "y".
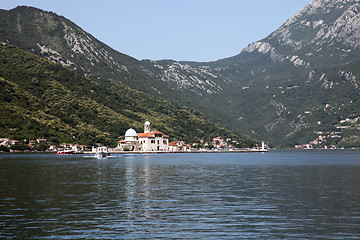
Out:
{"x": 277, "y": 88}
{"x": 286, "y": 88}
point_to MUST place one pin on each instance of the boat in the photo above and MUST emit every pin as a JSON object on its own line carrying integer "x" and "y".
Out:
{"x": 101, "y": 152}
{"x": 65, "y": 151}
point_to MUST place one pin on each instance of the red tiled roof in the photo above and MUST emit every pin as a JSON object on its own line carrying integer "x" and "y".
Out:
{"x": 122, "y": 141}
{"x": 157, "y": 132}
{"x": 146, "y": 135}
{"x": 172, "y": 144}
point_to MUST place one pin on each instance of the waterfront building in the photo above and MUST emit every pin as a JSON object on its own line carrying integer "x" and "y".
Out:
{"x": 131, "y": 142}
{"x": 148, "y": 141}
{"x": 173, "y": 147}
{"x": 179, "y": 146}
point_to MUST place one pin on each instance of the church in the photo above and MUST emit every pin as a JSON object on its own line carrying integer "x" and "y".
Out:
{"x": 148, "y": 141}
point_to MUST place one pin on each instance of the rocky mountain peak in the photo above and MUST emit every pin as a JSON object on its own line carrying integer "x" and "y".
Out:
{"x": 319, "y": 23}
{"x": 320, "y": 28}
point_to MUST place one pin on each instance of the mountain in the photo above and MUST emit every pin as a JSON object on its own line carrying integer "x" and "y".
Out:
{"x": 292, "y": 87}
{"x": 296, "y": 86}
{"x": 58, "y": 39}
{"x": 93, "y": 89}
{"x": 42, "y": 99}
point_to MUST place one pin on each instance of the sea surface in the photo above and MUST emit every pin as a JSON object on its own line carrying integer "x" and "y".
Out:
{"x": 275, "y": 195}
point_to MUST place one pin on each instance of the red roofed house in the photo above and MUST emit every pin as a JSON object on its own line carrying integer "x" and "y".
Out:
{"x": 66, "y": 145}
{"x": 173, "y": 147}
{"x": 179, "y": 146}
{"x": 186, "y": 147}
{"x": 218, "y": 142}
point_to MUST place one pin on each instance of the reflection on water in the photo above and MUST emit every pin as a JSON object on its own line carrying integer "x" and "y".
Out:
{"x": 279, "y": 195}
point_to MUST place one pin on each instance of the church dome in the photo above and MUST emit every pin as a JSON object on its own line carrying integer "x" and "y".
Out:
{"x": 130, "y": 133}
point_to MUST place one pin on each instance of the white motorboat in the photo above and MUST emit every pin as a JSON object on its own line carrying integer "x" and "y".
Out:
{"x": 101, "y": 152}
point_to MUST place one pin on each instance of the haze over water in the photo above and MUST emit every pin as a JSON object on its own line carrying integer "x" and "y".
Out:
{"x": 275, "y": 195}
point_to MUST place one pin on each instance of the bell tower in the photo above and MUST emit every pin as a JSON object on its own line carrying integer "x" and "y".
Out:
{"x": 147, "y": 127}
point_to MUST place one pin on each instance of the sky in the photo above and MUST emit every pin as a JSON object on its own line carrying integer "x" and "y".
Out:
{"x": 182, "y": 30}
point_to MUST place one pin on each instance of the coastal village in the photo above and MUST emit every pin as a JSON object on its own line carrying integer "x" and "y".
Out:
{"x": 149, "y": 141}
{"x": 322, "y": 141}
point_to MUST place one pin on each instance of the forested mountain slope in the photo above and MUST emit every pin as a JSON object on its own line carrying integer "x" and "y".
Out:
{"x": 60, "y": 40}
{"x": 42, "y": 99}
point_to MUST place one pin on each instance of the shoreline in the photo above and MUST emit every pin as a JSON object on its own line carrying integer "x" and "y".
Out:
{"x": 183, "y": 152}
{"x": 143, "y": 152}
{"x": 162, "y": 152}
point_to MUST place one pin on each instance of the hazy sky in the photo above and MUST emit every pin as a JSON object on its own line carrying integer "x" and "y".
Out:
{"x": 191, "y": 30}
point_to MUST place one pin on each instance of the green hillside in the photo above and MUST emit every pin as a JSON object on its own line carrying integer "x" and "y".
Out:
{"x": 42, "y": 99}
{"x": 60, "y": 40}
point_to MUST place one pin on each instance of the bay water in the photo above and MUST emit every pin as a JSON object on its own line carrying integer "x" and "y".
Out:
{"x": 281, "y": 194}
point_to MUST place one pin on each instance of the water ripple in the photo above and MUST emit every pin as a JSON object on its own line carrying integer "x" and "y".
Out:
{"x": 204, "y": 196}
